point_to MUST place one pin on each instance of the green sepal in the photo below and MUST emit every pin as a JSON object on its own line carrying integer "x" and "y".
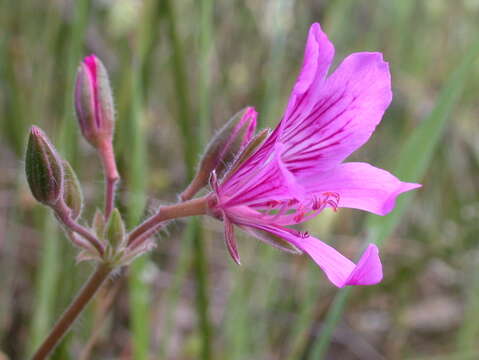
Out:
{"x": 72, "y": 192}
{"x": 252, "y": 146}
{"x": 98, "y": 224}
{"x": 224, "y": 146}
{"x": 115, "y": 230}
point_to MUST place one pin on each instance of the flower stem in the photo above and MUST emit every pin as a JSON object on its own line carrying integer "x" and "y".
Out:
{"x": 63, "y": 213}
{"x": 76, "y": 307}
{"x": 183, "y": 209}
{"x": 191, "y": 189}
{"x": 107, "y": 156}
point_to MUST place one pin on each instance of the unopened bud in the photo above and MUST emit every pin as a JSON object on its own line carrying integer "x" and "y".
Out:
{"x": 223, "y": 148}
{"x": 228, "y": 141}
{"x": 115, "y": 230}
{"x": 43, "y": 167}
{"x": 72, "y": 193}
{"x": 94, "y": 101}
{"x": 98, "y": 224}
{"x": 246, "y": 153}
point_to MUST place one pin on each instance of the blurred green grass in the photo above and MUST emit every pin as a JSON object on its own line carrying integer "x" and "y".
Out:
{"x": 179, "y": 69}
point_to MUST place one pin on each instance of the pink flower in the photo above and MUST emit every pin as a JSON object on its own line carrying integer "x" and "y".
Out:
{"x": 298, "y": 170}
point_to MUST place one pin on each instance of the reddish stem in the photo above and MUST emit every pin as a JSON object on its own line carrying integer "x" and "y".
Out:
{"x": 71, "y": 313}
{"x": 63, "y": 213}
{"x": 107, "y": 156}
{"x": 196, "y": 185}
{"x": 187, "y": 208}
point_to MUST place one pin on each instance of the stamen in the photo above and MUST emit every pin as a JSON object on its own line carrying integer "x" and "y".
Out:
{"x": 272, "y": 203}
{"x": 332, "y": 199}
{"x": 282, "y": 210}
{"x": 292, "y": 202}
{"x": 304, "y": 234}
{"x": 298, "y": 217}
{"x": 317, "y": 203}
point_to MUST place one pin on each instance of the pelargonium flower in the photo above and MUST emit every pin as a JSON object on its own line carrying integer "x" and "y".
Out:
{"x": 288, "y": 176}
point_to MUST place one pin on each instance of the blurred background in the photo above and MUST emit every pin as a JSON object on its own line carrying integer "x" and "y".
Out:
{"x": 179, "y": 70}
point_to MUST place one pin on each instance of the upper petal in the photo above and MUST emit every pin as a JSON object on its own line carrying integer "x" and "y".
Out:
{"x": 268, "y": 180}
{"x": 360, "y": 186}
{"x": 318, "y": 55}
{"x": 339, "y": 116}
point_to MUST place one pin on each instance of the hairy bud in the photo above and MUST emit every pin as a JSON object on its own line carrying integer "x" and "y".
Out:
{"x": 223, "y": 148}
{"x": 94, "y": 102}
{"x": 43, "y": 167}
{"x": 72, "y": 192}
{"x": 115, "y": 230}
{"x": 98, "y": 224}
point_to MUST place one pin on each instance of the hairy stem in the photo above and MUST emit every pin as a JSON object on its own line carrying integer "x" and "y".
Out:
{"x": 107, "y": 156}
{"x": 191, "y": 189}
{"x": 71, "y": 314}
{"x": 183, "y": 209}
{"x": 63, "y": 213}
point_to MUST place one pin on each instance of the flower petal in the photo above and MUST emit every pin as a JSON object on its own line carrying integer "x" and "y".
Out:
{"x": 271, "y": 239}
{"x": 269, "y": 180}
{"x": 360, "y": 186}
{"x": 318, "y": 55}
{"x": 344, "y": 113}
{"x": 340, "y": 270}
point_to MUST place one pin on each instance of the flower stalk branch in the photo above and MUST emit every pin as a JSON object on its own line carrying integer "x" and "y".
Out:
{"x": 188, "y": 208}
{"x": 111, "y": 175}
{"x": 63, "y": 213}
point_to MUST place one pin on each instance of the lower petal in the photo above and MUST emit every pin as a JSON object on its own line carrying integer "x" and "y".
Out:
{"x": 340, "y": 270}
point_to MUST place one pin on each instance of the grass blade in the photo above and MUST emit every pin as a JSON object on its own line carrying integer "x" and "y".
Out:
{"x": 192, "y": 145}
{"x": 136, "y": 171}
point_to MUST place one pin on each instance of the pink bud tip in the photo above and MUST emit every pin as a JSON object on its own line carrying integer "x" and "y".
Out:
{"x": 93, "y": 101}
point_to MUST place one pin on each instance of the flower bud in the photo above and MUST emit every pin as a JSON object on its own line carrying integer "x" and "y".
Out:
{"x": 223, "y": 148}
{"x": 115, "y": 230}
{"x": 72, "y": 192}
{"x": 43, "y": 167}
{"x": 98, "y": 224}
{"x": 248, "y": 150}
{"x": 94, "y": 101}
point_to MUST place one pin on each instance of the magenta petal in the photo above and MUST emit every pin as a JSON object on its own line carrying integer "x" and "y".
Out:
{"x": 318, "y": 55}
{"x": 268, "y": 180}
{"x": 368, "y": 271}
{"x": 340, "y": 270}
{"x": 230, "y": 240}
{"x": 360, "y": 186}
{"x": 346, "y": 110}
{"x": 271, "y": 239}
